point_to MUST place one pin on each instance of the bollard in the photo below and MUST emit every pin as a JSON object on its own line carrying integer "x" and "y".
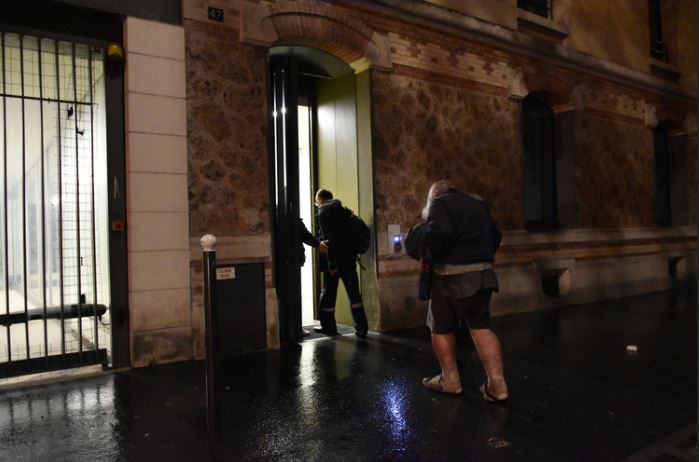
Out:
{"x": 213, "y": 418}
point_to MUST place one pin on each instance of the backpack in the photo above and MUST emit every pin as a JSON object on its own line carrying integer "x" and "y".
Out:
{"x": 359, "y": 234}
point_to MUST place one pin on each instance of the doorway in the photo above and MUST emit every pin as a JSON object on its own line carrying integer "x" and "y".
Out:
{"x": 314, "y": 143}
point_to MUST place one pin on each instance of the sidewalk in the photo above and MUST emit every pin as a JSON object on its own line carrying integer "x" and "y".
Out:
{"x": 576, "y": 395}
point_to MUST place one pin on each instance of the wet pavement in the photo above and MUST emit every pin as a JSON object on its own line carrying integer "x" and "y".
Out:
{"x": 576, "y": 395}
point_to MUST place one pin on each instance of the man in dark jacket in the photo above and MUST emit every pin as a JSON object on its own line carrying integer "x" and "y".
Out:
{"x": 462, "y": 239}
{"x": 338, "y": 263}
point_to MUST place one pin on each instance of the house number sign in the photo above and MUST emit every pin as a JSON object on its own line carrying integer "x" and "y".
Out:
{"x": 215, "y": 14}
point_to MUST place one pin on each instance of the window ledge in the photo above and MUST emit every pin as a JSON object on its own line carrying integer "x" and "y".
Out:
{"x": 664, "y": 70}
{"x": 533, "y": 22}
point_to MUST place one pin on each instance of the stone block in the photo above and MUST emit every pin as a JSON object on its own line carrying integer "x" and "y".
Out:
{"x": 156, "y": 114}
{"x": 150, "y": 231}
{"x": 153, "y": 38}
{"x": 152, "y": 153}
{"x": 155, "y": 76}
{"x": 161, "y": 346}
{"x": 157, "y": 192}
{"x": 158, "y": 270}
{"x": 159, "y": 309}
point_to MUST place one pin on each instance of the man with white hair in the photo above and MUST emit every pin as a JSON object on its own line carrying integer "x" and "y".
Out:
{"x": 462, "y": 238}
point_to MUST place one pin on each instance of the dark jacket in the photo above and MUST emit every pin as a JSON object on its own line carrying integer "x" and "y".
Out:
{"x": 305, "y": 237}
{"x": 461, "y": 230}
{"x": 333, "y": 224}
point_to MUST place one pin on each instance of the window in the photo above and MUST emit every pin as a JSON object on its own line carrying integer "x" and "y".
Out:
{"x": 538, "y": 7}
{"x": 658, "y": 48}
{"x": 540, "y": 183}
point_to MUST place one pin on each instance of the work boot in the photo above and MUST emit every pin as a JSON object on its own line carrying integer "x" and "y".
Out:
{"x": 328, "y": 326}
{"x": 361, "y": 325}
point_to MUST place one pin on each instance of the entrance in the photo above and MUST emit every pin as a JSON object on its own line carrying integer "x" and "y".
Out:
{"x": 55, "y": 273}
{"x": 316, "y": 105}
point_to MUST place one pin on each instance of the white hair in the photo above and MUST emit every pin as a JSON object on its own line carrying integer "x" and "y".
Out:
{"x": 437, "y": 189}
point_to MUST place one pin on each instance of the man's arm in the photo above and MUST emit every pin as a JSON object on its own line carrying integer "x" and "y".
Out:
{"x": 306, "y": 236}
{"x": 440, "y": 229}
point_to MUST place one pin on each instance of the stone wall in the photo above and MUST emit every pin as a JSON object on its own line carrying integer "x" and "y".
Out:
{"x": 626, "y": 45}
{"x": 615, "y": 173}
{"x": 427, "y": 131}
{"x": 226, "y": 104}
{"x": 692, "y": 175}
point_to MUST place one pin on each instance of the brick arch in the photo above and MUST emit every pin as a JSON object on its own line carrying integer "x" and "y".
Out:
{"x": 326, "y": 27}
{"x": 553, "y": 86}
{"x": 552, "y": 89}
{"x": 672, "y": 116}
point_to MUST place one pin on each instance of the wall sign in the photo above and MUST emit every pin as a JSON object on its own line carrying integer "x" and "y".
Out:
{"x": 225, "y": 273}
{"x": 215, "y": 14}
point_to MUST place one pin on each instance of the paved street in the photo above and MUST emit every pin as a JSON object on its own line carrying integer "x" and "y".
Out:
{"x": 576, "y": 394}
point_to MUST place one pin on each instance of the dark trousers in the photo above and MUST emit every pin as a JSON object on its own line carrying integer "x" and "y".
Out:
{"x": 328, "y": 296}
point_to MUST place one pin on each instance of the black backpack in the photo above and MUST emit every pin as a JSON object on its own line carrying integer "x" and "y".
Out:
{"x": 359, "y": 234}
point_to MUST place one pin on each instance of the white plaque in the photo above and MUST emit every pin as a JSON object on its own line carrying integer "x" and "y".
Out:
{"x": 225, "y": 273}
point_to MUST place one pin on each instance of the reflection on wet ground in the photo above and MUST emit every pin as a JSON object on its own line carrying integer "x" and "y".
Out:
{"x": 576, "y": 394}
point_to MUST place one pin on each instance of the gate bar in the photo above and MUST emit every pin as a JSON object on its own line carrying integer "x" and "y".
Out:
{"x": 77, "y": 202}
{"x": 60, "y": 199}
{"x": 53, "y": 312}
{"x": 4, "y": 208}
{"x": 48, "y": 100}
{"x": 94, "y": 224}
{"x": 43, "y": 204}
{"x": 24, "y": 196}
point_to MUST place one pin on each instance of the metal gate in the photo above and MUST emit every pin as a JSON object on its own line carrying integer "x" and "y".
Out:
{"x": 54, "y": 242}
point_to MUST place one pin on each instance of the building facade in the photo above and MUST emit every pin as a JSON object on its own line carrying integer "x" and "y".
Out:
{"x": 575, "y": 120}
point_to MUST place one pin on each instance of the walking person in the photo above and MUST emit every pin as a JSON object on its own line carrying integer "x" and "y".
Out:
{"x": 339, "y": 262}
{"x": 461, "y": 239}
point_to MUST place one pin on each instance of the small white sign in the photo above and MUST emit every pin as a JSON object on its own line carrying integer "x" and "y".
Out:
{"x": 225, "y": 273}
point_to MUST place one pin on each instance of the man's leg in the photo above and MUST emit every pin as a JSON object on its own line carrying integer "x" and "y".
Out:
{"x": 488, "y": 347}
{"x": 351, "y": 282}
{"x": 326, "y": 305}
{"x": 444, "y": 346}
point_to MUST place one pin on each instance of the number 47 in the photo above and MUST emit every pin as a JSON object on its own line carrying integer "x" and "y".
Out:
{"x": 215, "y": 14}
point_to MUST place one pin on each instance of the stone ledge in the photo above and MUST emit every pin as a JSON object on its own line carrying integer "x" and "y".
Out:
{"x": 665, "y": 71}
{"x": 519, "y": 238}
{"x": 524, "y": 256}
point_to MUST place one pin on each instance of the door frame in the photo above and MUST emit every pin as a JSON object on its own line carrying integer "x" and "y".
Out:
{"x": 282, "y": 139}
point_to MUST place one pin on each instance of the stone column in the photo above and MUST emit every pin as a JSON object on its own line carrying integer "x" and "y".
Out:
{"x": 156, "y": 174}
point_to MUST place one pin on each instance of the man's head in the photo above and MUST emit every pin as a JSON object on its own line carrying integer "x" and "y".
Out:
{"x": 323, "y": 196}
{"x": 437, "y": 189}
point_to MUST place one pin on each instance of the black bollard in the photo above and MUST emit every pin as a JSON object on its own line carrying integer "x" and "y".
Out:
{"x": 213, "y": 417}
